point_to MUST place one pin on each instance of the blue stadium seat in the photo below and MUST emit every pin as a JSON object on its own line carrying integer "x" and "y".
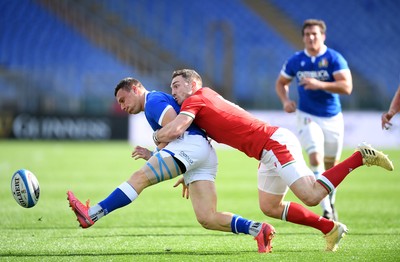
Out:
{"x": 182, "y": 28}
{"x": 36, "y": 41}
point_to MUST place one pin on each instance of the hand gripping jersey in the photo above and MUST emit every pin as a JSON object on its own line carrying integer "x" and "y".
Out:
{"x": 227, "y": 123}
{"x": 321, "y": 67}
{"x": 156, "y": 104}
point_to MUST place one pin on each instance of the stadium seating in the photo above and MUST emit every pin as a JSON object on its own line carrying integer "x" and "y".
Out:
{"x": 38, "y": 45}
{"x": 184, "y": 30}
{"x": 214, "y": 37}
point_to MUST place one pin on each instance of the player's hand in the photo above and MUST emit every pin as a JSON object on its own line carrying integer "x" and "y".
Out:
{"x": 386, "y": 120}
{"x": 289, "y": 106}
{"x": 141, "y": 152}
{"x": 310, "y": 83}
{"x": 185, "y": 189}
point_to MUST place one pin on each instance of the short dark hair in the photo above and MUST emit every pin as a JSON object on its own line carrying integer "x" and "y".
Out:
{"x": 127, "y": 84}
{"x": 312, "y": 22}
{"x": 187, "y": 74}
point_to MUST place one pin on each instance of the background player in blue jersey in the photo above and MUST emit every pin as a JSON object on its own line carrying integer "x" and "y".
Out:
{"x": 191, "y": 154}
{"x": 321, "y": 74}
{"x": 394, "y": 108}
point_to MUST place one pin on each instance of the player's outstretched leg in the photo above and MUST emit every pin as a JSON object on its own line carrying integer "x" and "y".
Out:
{"x": 264, "y": 238}
{"x": 333, "y": 238}
{"x": 373, "y": 157}
{"x": 80, "y": 210}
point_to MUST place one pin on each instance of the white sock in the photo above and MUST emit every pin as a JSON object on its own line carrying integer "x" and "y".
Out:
{"x": 96, "y": 212}
{"x": 255, "y": 228}
{"x": 332, "y": 196}
{"x": 326, "y": 204}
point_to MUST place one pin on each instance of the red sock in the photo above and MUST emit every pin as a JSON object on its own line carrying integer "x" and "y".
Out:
{"x": 300, "y": 215}
{"x": 336, "y": 174}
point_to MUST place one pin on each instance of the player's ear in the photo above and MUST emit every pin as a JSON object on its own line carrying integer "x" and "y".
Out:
{"x": 134, "y": 89}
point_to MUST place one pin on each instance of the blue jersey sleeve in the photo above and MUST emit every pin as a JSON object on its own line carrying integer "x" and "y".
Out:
{"x": 339, "y": 63}
{"x": 288, "y": 69}
{"x": 157, "y": 103}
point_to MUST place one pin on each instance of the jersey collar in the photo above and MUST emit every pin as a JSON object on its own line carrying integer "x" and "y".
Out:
{"x": 145, "y": 96}
{"x": 321, "y": 52}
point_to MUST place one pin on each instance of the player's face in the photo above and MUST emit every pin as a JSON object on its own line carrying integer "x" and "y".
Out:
{"x": 128, "y": 101}
{"x": 313, "y": 39}
{"x": 180, "y": 89}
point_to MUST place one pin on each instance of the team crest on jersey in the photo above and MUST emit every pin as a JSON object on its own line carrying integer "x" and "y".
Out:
{"x": 323, "y": 63}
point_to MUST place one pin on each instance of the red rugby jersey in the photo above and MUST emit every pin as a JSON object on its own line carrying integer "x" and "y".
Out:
{"x": 227, "y": 123}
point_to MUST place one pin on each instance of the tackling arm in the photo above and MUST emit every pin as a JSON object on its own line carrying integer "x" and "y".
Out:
{"x": 173, "y": 129}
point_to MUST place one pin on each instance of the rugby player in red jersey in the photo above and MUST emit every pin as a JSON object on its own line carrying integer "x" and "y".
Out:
{"x": 282, "y": 165}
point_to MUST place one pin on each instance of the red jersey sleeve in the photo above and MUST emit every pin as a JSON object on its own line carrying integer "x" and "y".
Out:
{"x": 192, "y": 105}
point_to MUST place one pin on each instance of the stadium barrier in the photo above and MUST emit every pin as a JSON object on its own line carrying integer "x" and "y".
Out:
{"x": 359, "y": 126}
{"x": 63, "y": 127}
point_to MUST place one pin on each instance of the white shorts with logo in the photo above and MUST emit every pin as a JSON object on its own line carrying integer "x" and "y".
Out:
{"x": 197, "y": 154}
{"x": 283, "y": 164}
{"x": 321, "y": 134}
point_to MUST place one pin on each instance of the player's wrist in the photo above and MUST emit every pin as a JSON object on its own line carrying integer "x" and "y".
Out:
{"x": 155, "y": 137}
{"x": 391, "y": 112}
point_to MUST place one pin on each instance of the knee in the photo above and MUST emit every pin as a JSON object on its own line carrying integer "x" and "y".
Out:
{"x": 311, "y": 201}
{"x": 139, "y": 181}
{"x": 270, "y": 211}
{"x": 138, "y": 176}
{"x": 205, "y": 221}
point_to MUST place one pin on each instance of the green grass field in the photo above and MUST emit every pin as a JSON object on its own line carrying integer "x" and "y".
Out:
{"x": 161, "y": 226}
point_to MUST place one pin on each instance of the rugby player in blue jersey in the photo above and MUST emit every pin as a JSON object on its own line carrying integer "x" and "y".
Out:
{"x": 191, "y": 155}
{"x": 321, "y": 74}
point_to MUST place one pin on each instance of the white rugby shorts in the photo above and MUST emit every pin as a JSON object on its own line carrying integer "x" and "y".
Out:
{"x": 197, "y": 154}
{"x": 279, "y": 168}
{"x": 321, "y": 134}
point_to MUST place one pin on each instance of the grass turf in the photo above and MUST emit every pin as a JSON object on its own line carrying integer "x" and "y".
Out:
{"x": 161, "y": 226}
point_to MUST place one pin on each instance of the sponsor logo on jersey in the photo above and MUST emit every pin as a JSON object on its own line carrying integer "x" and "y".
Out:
{"x": 321, "y": 75}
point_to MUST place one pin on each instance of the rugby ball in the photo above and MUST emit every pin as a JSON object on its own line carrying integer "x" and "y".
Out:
{"x": 25, "y": 188}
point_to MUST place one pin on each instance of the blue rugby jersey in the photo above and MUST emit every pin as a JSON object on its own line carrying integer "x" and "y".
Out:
{"x": 321, "y": 67}
{"x": 155, "y": 106}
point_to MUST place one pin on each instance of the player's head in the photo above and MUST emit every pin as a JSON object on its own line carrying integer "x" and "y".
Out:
{"x": 184, "y": 83}
{"x": 129, "y": 94}
{"x": 314, "y": 36}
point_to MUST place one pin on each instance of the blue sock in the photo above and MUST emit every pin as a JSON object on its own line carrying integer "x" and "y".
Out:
{"x": 240, "y": 225}
{"x": 120, "y": 197}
